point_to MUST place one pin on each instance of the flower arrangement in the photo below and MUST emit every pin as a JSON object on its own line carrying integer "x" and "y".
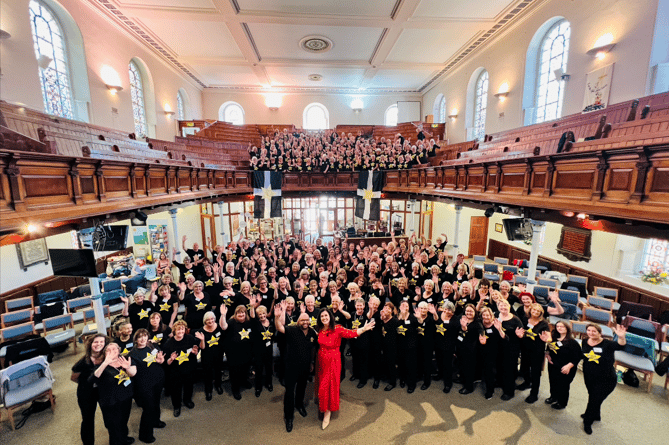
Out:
{"x": 655, "y": 275}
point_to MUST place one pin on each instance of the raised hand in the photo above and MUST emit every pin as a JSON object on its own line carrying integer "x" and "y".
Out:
{"x": 224, "y": 310}
{"x": 184, "y": 238}
{"x": 277, "y": 310}
{"x": 369, "y": 325}
{"x": 545, "y": 337}
{"x": 160, "y": 357}
{"x": 483, "y": 339}
{"x": 182, "y": 287}
{"x": 432, "y": 309}
{"x": 497, "y": 323}
{"x": 520, "y": 332}
{"x": 199, "y": 335}
{"x": 621, "y": 331}
{"x": 154, "y": 286}
{"x": 463, "y": 322}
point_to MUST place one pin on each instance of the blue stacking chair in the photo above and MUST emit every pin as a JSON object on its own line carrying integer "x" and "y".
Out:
{"x": 639, "y": 355}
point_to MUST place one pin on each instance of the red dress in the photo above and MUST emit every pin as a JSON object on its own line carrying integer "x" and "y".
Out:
{"x": 328, "y": 367}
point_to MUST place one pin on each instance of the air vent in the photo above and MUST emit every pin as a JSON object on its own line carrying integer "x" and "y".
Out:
{"x": 316, "y": 44}
{"x": 315, "y": 77}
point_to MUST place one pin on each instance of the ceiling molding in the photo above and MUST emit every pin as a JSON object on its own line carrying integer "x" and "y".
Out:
{"x": 252, "y": 42}
{"x": 320, "y": 90}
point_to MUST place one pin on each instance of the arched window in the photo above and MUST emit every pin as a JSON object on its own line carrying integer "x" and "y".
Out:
{"x": 137, "y": 94}
{"x": 51, "y": 53}
{"x": 553, "y": 52}
{"x": 181, "y": 110}
{"x": 315, "y": 117}
{"x": 390, "y": 118}
{"x": 439, "y": 109}
{"x": 480, "y": 104}
{"x": 231, "y": 112}
{"x": 655, "y": 255}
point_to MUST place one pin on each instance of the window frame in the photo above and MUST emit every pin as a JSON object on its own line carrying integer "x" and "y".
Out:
{"x": 480, "y": 104}
{"x": 385, "y": 115}
{"x": 138, "y": 99}
{"x": 544, "y": 90}
{"x": 224, "y": 108}
{"x": 305, "y": 115}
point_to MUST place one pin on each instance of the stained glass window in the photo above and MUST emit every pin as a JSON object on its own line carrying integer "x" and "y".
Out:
{"x": 656, "y": 255}
{"x": 51, "y": 55}
{"x": 390, "y": 118}
{"x": 442, "y": 110}
{"x": 181, "y": 111}
{"x": 553, "y": 53}
{"x": 480, "y": 105}
{"x": 137, "y": 94}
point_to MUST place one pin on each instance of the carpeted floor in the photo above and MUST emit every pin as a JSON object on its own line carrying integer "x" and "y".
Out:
{"x": 368, "y": 416}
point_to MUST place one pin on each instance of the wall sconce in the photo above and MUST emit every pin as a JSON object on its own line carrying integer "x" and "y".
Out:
{"x": 44, "y": 61}
{"x": 168, "y": 110}
{"x": 603, "y": 45}
{"x": 4, "y": 34}
{"x": 454, "y": 114}
{"x": 273, "y": 101}
{"x": 113, "y": 89}
{"x": 169, "y": 113}
{"x": 357, "y": 105}
{"x": 502, "y": 92}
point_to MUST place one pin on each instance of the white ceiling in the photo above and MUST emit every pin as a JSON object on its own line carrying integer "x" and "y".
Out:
{"x": 378, "y": 45}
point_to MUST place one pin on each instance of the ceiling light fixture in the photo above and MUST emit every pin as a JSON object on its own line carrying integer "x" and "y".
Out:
{"x": 315, "y": 77}
{"x": 316, "y": 44}
{"x": 357, "y": 105}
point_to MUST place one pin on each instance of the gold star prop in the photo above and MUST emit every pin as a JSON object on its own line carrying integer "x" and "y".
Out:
{"x": 227, "y": 301}
{"x": 553, "y": 347}
{"x": 592, "y": 357}
{"x": 155, "y": 339}
{"x": 356, "y": 324}
{"x": 401, "y": 330}
{"x": 122, "y": 376}
{"x": 267, "y": 335}
{"x": 209, "y": 282}
{"x": 164, "y": 307}
{"x": 125, "y": 351}
{"x": 143, "y": 314}
{"x": 183, "y": 357}
{"x": 244, "y": 334}
{"x": 441, "y": 329}
{"x": 213, "y": 341}
{"x": 531, "y": 335}
{"x": 200, "y": 306}
{"x": 150, "y": 358}
{"x": 294, "y": 323}
{"x": 383, "y": 331}
{"x": 313, "y": 322}
{"x": 421, "y": 330}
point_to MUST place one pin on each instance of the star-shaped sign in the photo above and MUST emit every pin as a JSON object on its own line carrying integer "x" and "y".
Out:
{"x": 227, "y": 301}
{"x": 421, "y": 330}
{"x": 441, "y": 329}
{"x": 267, "y": 193}
{"x": 313, "y": 322}
{"x": 183, "y": 357}
{"x": 383, "y": 331}
{"x": 150, "y": 358}
{"x": 356, "y": 324}
{"x": 122, "y": 376}
{"x": 164, "y": 307}
{"x": 200, "y": 306}
{"x": 592, "y": 357}
{"x": 213, "y": 341}
{"x": 401, "y": 330}
{"x": 155, "y": 339}
{"x": 244, "y": 334}
{"x": 125, "y": 351}
{"x": 294, "y": 323}
{"x": 143, "y": 314}
{"x": 553, "y": 347}
{"x": 209, "y": 282}
{"x": 267, "y": 335}
{"x": 529, "y": 334}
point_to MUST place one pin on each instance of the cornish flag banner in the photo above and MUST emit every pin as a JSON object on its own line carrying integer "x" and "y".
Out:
{"x": 368, "y": 202}
{"x": 267, "y": 191}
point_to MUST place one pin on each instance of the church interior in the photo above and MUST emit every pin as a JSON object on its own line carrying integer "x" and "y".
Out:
{"x": 149, "y": 114}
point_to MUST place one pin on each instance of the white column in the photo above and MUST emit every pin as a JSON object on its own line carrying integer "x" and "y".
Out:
{"x": 98, "y": 309}
{"x": 456, "y": 236}
{"x": 175, "y": 231}
{"x": 538, "y": 228}
{"x": 220, "y": 214}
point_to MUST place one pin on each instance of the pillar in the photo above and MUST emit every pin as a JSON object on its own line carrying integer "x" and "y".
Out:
{"x": 456, "y": 236}
{"x": 220, "y": 215}
{"x": 98, "y": 305}
{"x": 538, "y": 229}
{"x": 175, "y": 231}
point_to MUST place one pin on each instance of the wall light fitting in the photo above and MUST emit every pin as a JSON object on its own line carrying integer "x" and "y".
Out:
{"x": 114, "y": 88}
{"x": 4, "y": 35}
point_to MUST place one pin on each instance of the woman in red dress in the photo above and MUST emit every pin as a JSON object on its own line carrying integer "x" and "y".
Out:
{"x": 328, "y": 362}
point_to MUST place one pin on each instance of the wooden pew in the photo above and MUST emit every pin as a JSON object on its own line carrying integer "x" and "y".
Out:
{"x": 11, "y": 140}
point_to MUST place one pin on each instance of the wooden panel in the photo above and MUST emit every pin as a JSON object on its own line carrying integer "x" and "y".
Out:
{"x": 660, "y": 180}
{"x": 620, "y": 179}
{"x": 87, "y": 184}
{"x": 574, "y": 179}
{"x": 476, "y": 180}
{"x": 116, "y": 183}
{"x": 538, "y": 180}
{"x": 39, "y": 186}
{"x": 512, "y": 180}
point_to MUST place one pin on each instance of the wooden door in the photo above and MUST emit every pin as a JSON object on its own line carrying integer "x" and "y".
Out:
{"x": 478, "y": 235}
{"x": 208, "y": 225}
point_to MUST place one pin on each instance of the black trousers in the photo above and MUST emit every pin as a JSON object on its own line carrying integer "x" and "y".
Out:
{"x": 375, "y": 361}
{"x": 296, "y": 386}
{"x": 181, "y": 389}
{"x": 560, "y": 383}
{"x": 149, "y": 400}
{"x": 467, "y": 362}
{"x": 87, "y": 398}
{"x": 445, "y": 364}
{"x": 263, "y": 367}
{"x": 489, "y": 363}
{"x": 599, "y": 388}
{"x": 116, "y": 421}
{"x": 507, "y": 369}
{"x": 425, "y": 355}
{"x": 211, "y": 374}
{"x": 531, "y": 362}
{"x": 406, "y": 365}
{"x": 238, "y": 376}
{"x": 360, "y": 356}
{"x": 390, "y": 364}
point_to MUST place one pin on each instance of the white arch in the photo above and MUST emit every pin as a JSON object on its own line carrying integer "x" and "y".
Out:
{"x": 149, "y": 96}
{"x": 232, "y": 112}
{"x": 76, "y": 59}
{"x": 390, "y": 116}
{"x": 315, "y": 117}
{"x": 471, "y": 102}
{"x": 186, "y": 103}
{"x": 532, "y": 67}
{"x": 439, "y": 109}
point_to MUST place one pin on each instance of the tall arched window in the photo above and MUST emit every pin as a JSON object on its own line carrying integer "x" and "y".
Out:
{"x": 137, "y": 94}
{"x": 181, "y": 109}
{"x": 480, "y": 104}
{"x": 553, "y": 52}
{"x": 51, "y": 54}
{"x": 390, "y": 118}
{"x": 231, "y": 112}
{"x": 315, "y": 117}
{"x": 442, "y": 110}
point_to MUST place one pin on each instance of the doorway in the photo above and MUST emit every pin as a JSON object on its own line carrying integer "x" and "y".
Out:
{"x": 478, "y": 235}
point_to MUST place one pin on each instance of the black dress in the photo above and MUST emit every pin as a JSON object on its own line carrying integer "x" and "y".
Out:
{"x": 389, "y": 348}
{"x": 467, "y": 341}
{"x": 149, "y": 382}
{"x": 425, "y": 351}
{"x": 87, "y": 398}
{"x": 507, "y": 360}
{"x": 532, "y": 355}
{"x": 599, "y": 375}
{"x": 487, "y": 358}
{"x": 263, "y": 354}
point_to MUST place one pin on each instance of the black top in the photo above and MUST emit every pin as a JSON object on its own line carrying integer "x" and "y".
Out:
{"x": 509, "y": 327}
{"x": 213, "y": 345}
{"x": 124, "y": 346}
{"x": 263, "y": 336}
{"x": 165, "y": 308}
{"x": 85, "y": 369}
{"x": 239, "y": 341}
{"x": 186, "y": 360}
{"x": 299, "y": 348}
{"x": 139, "y": 314}
{"x": 358, "y": 321}
{"x": 532, "y": 339}
{"x": 195, "y": 309}
{"x": 446, "y": 333}
{"x": 389, "y": 333}
{"x": 159, "y": 337}
{"x": 563, "y": 352}
{"x": 114, "y": 386}
{"x": 149, "y": 372}
{"x": 407, "y": 331}
{"x": 598, "y": 360}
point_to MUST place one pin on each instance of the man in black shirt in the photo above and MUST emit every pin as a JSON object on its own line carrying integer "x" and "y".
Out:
{"x": 301, "y": 341}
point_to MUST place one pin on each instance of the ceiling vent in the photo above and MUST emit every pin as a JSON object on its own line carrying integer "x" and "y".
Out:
{"x": 316, "y": 44}
{"x": 315, "y": 77}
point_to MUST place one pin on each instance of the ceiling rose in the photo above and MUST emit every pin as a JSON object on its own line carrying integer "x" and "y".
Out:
{"x": 315, "y": 77}
{"x": 316, "y": 44}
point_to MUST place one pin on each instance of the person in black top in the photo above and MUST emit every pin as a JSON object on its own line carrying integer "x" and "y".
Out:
{"x": 446, "y": 331}
{"x": 407, "y": 331}
{"x": 389, "y": 344}
{"x": 301, "y": 341}
{"x": 360, "y": 345}
{"x": 238, "y": 347}
{"x": 166, "y": 304}
{"x": 507, "y": 359}
{"x": 598, "y": 371}
{"x": 263, "y": 353}
{"x": 468, "y": 337}
{"x": 123, "y": 339}
{"x": 185, "y": 268}
{"x": 532, "y": 352}
{"x": 563, "y": 354}
{"x": 426, "y": 314}
{"x": 140, "y": 309}
{"x": 87, "y": 392}
{"x": 148, "y": 383}
{"x": 158, "y": 331}
{"x": 181, "y": 352}
{"x": 197, "y": 304}
{"x": 489, "y": 346}
{"x": 211, "y": 356}
{"x": 112, "y": 378}
{"x": 196, "y": 254}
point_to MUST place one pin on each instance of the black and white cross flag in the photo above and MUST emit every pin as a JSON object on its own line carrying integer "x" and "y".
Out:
{"x": 267, "y": 191}
{"x": 368, "y": 202}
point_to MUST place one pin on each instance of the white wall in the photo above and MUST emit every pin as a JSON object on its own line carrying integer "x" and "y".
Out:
{"x": 293, "y": 104}
{"x": 631, "y": 22}
{"x": 105, "y": 45}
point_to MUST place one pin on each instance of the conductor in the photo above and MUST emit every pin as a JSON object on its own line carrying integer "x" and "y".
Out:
{"x": 301, "y": 341}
